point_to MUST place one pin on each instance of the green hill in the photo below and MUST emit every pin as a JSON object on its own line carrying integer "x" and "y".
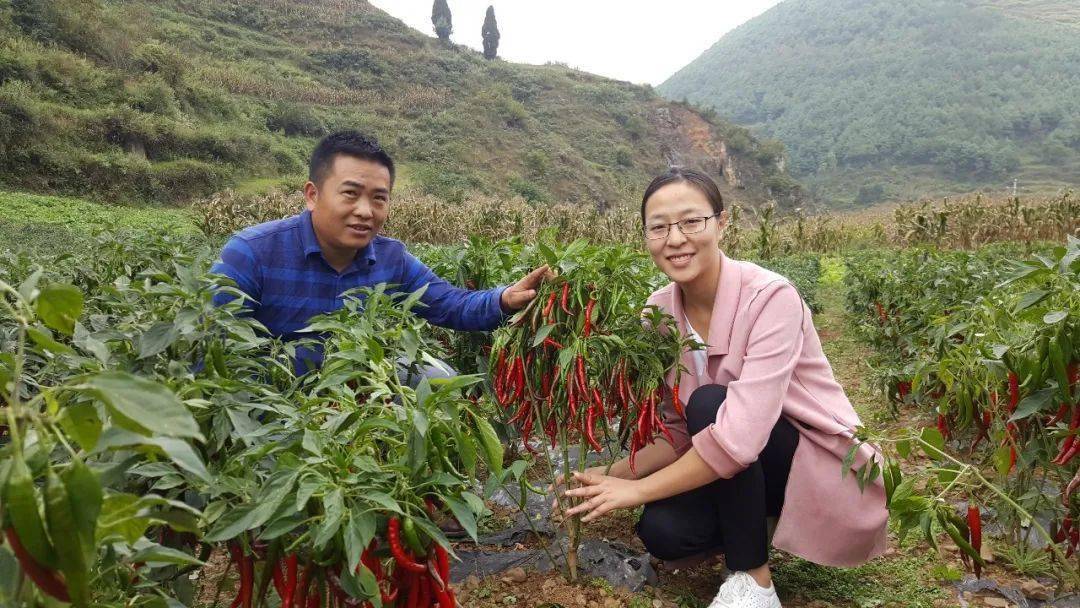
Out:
{"x": 168, "y": 100}
{"x": 885, "y": 99}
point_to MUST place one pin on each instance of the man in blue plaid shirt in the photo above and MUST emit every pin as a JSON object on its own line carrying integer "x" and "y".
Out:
{"x": 299, "y": 266}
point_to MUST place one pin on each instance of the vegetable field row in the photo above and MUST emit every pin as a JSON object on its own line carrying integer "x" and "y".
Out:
{"x": 987, "y": 345}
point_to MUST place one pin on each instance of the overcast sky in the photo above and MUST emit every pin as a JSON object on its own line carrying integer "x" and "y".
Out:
{"x": 635, "y": 40}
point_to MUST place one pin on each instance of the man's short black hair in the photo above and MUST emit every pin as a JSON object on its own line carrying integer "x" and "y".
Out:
{"x": 351, "y": 143}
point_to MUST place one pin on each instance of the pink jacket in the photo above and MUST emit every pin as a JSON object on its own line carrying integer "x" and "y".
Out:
{"x": 764, "y": 348}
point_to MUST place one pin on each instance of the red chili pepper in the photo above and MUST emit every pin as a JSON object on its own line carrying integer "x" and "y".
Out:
{"x": 1063, "y": 410}
{"x": 588, "y": 318}
{"x": 247, "y": 579}
{"x": 552, "y": 343}
{"x": 291, "y": 563}
{"x": 47, "y": 580}
{"x": 424, "y": 600}
{"x": 882, "y": 315}
{"x": 1014, "y": 391}
{"x": 974, "y": 521}
{"x": 1070, "y": 446}
{"x": 633, "y": 453}
{"x": 549, "y": 307}
{"x": 520, "y": 380}
{"x": 590, "y": 422}
{"x": 302, "y": 587}
{"x": 984, "y": 428}
{"x": 523, "y": 410}
{"x": 675, "y": 400}
{"x": 583, "y": 384}
{"x": 566, "y": 299}
{"x": 403, "y": 559}
{"x": 545, "y": 385}
{"x": 903, "y": 387}
{"x": 943, "y": 426}
{"x": 278, "y": 576}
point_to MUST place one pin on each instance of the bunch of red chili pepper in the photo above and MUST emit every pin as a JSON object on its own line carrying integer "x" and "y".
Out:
{"x": 566, "y": 366}
{"x": 408, "y": 573}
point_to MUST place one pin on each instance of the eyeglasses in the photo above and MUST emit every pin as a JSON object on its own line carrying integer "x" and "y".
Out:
{"x": 691, "y": 225}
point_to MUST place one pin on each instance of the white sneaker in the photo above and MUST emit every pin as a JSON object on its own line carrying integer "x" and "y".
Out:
{"x": 740, "y": 590}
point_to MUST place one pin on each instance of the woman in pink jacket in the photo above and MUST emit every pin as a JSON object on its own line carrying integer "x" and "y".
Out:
{"x": 766, "y": 425}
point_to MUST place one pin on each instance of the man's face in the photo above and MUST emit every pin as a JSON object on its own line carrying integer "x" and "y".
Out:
{"x": 350, "y": 205}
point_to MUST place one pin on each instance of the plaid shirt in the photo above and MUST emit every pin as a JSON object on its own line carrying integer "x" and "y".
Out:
{"x": 280, "y": 265}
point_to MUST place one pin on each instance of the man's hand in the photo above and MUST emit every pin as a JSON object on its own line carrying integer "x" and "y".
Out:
{"x": 518, "y": 295}
{"x": 603, "y": 494}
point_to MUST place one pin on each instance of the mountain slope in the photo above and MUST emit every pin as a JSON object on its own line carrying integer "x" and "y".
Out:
{"x": 172, "y": 99}
{"x": 888, "y": 97}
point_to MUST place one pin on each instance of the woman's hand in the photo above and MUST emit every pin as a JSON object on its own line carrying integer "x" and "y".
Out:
{"x": 557, "y": 487}
{"x": 603, "y": 493}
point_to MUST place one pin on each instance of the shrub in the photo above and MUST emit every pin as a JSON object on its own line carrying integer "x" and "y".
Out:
{"x": 529, "y": 191}
{"x": 185, "y": 179}
{"x": 294, "y": 119}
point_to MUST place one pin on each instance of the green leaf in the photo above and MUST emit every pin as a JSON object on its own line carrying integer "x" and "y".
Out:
{"x": 1033, "y": 404}
{"x": 358, "y": 534}
{"x": 157, "y": 554}
{"x": 86, "y": 497}
{"x": 463, "y": 514}
{"x": 45, "y": 341}
{"x": 383, "y": 500}
{"x": 259, "y": 511}
{"x": 120, "y": 516}
{"x": 156, "y": 339}
{"x": 59, "y": 306}
{"x": 80, "y": 421}
{"x": 143, "y": 406}
{"x": 1030, "y": 299}
{"x": 178, "y": 450}
{"x": 849, "y": 459}
{"x": 489, "y": 441}
{"x": 932, "y": 436}
{"x": 903, "y": 448}
{"x": 333, "y": 512}
{"x": 1002, "y": 458}
{"x": 540, "y": 335}
{"x": 1053, "y": 317}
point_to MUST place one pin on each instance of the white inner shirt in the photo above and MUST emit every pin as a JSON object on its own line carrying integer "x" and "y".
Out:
{"x": 700, "y": 356}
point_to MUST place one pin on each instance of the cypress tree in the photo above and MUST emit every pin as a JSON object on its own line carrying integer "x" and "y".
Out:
{"x": 442, "y": 20}
{"x": 491, "y": 35}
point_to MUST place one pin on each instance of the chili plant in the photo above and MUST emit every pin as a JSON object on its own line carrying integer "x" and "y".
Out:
{"x": 582, "y": 365}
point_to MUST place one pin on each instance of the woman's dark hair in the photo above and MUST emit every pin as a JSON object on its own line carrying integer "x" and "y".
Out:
{"x": 697, "y": 179}
{"x": 349, "y": 143}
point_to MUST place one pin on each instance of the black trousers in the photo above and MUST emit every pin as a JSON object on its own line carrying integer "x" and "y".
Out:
{"x": 726, "y": 515}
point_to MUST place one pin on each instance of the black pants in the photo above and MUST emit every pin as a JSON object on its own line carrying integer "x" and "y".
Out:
{"x": 726, "y": 515}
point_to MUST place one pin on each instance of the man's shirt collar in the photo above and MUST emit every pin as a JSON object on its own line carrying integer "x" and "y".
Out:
{"x": 310, "y": 243}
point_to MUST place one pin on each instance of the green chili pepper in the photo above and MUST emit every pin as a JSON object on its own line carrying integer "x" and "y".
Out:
{"x": 63, "y": 525}
{"x": 412, "y": 538}
{"x": 217, "y": 358}
{"x": 21, "y": 509}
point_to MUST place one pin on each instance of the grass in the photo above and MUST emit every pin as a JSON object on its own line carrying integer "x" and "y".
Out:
{"x": 38, "y": 222}
{"x": 901, "y": 581}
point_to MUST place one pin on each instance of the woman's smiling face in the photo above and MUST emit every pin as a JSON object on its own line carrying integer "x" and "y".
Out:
{"x": 683, "y": 257}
